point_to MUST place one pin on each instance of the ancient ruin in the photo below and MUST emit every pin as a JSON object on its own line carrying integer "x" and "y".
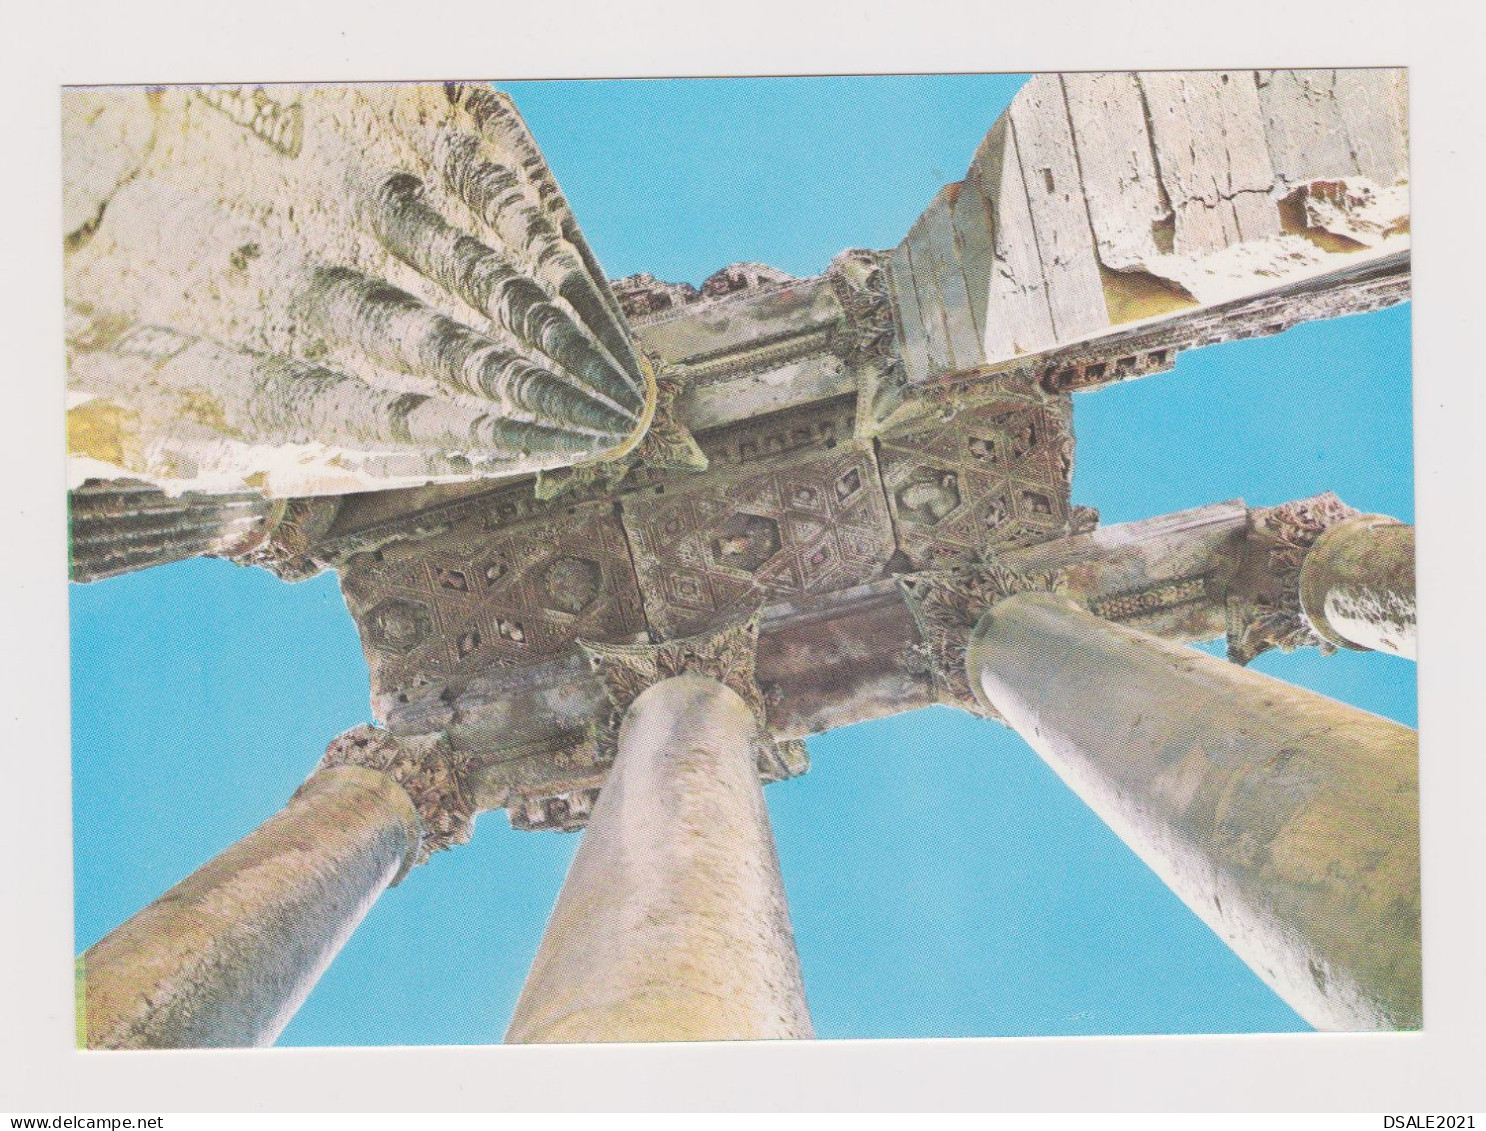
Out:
{"x": 616, "y": 548}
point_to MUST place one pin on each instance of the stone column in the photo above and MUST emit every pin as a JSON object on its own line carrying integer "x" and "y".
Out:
{"x": 1357, "y": 585}
{"x": 1287, "y": 821}
{"x": 120, "y": 526}
{"x": 226, "y": 957}
{"x": 672, "y": 924}
{"x": 1318, "y": 573}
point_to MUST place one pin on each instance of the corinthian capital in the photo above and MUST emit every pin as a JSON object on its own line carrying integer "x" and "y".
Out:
{"x": 435, "y": 777}
{"x": 667, "y": 445}
{"x": 948, "y": 604}
{"x": 1266, "y": 612}
{"x": 727, "y": 654}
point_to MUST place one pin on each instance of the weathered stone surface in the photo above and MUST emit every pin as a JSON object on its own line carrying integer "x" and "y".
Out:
{"x": 992, "y": 476}
{"x": 435, "y": 778}
{"x": 1060, "y": 215}
{"x": 317, "y": 290}
{"x": 643, "y": 294}
{"x": 117, "y": 526}
{"x": 497, "y": 581}
{"x": 866, "y": 340}
{"x": 1167, "y": 575}
{"x": 1208, "y": 135}
{"x": 809, "y": 521}
{"x": 748, "y": 352}
{"x": 1288, "y": 822}
{"x": 383, "y": 288}
{"x": 1111, "y": 199}
{"x": 668, "y": 444}
{"x": 1019, "y": 320}
{"x": 948, "y": 604}
{"x": 1357, "y": 585}
{"x": 226, "y": 957}
{"x": 672, "y": 923}
{"x": 1129, "y": 212}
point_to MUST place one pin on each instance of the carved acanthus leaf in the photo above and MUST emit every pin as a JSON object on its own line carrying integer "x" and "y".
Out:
{"x": 1082, "y": 519}
{"x": 668, "y": 445}
{"x": 727, "y": 654}
{"x": 868, "y": 340}
{"x": 1271, "y": 617}
{"x": 435, "y": 777}
{"x": 288, "y": 550}
{"x": 948, "y": 604}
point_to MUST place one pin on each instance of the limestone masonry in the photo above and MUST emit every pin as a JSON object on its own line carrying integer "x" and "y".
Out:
{"x": 653, "y": 535}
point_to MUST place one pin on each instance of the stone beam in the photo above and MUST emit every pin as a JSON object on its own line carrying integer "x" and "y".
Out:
{"x": 317, "y": 290}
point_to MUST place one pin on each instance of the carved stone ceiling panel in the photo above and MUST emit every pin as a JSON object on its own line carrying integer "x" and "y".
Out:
{"x": 791, "y": 507}
{"x": 486, "y": 592}
{"x": 812, "y": 521}
{"x": 996, "y": 475}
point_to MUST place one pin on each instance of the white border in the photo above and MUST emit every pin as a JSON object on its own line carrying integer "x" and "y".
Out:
{"x": 152, "y": 40}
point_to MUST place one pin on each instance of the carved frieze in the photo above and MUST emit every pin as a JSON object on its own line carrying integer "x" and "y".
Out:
{"x": 947, "y": 605}
{"x": 1132, "y": 604}
{"x": 1263, "y": 609}
{"x": 993, "y": 476}
{"x": 868, "y": 339}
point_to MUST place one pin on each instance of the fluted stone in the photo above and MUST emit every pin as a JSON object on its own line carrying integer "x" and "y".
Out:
{"x": 117, "y": 527}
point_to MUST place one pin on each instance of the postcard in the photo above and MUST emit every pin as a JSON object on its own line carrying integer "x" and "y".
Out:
{"x": 742, "y": 559}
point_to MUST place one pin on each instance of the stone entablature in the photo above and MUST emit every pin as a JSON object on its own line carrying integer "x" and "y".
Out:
{"x": 948, "y": 604}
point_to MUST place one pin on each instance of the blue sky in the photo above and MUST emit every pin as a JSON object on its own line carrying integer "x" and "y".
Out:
{"x": 942, "y": 881}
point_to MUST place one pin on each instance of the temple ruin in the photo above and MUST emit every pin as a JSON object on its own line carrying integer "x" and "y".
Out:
{"x": 616, "y": 548}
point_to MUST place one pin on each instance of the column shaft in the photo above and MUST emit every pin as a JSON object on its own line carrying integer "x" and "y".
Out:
{"x": 1357, "y": 585}
{"x": 672, "y": 922}
{"x": 225, "y": 957}
{"x": 1287, "y": 821}
{"x": 119, "y": 526}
